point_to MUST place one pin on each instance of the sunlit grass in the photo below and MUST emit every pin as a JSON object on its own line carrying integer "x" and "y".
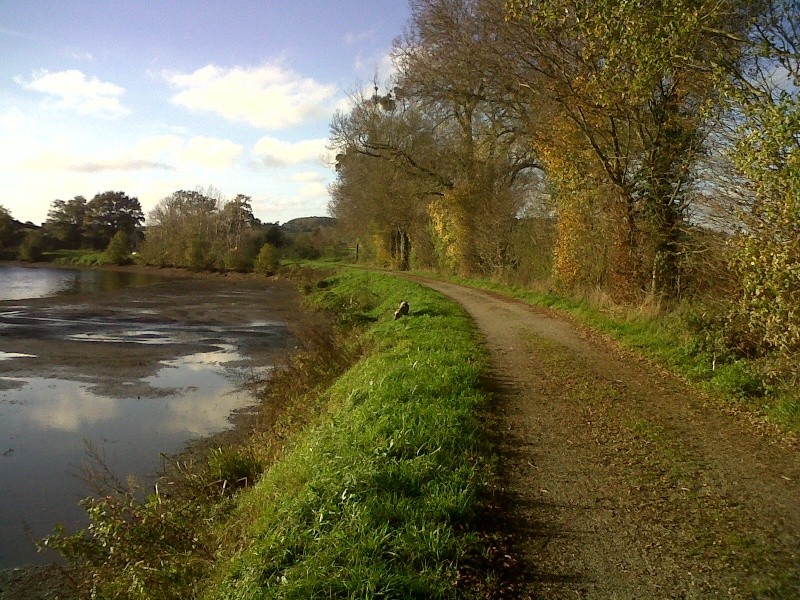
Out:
{"x": 378, "y": 500}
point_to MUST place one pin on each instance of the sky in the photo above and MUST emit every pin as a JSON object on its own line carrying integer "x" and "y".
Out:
{"x": 149, "y": 97}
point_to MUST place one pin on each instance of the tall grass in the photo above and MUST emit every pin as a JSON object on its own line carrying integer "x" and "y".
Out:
{"x": 379, "y": 499}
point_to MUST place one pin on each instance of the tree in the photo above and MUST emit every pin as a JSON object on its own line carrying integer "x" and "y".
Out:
{"x": 6, "y": 227}
{"x": 238, "y": 241}
{"x": 118, "y": 250}
{"x": 267, "y": 261}
{"x": 199, "y": 230}
{"x": 108, "y": 213}
{"x": 385, "y": 174}
{"x": 765, "y": 96}
{"x": 32, "y": 245}
{"x": 274, "y": 235}
{"x": 430, "y": 171}
{"x": 627, "y": 87}
{"x": 446, "y": 66}
{"x": 183, "y": 229}
{"x": 65, "y": 221}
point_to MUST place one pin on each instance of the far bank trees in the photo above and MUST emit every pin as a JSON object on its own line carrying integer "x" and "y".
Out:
{"x": 79, "y": 223}
{"x": 199, "y": 230}
{"x": 6, "y": 227}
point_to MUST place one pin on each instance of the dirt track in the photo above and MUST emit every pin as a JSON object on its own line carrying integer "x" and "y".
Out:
{"x": 621, "y": 481}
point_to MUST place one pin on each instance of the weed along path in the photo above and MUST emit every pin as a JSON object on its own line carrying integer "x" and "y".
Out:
{"x": 620, "y": 481}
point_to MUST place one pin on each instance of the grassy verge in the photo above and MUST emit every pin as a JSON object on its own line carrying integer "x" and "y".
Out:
{"x": 79, "y": 258}
{"x": 378, "y": 499}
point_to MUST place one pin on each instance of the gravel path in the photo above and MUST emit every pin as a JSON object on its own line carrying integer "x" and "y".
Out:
{"x": 621, "y": 481}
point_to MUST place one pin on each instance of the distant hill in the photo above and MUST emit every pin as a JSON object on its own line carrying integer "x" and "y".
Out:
{"x": 307, "y": 224}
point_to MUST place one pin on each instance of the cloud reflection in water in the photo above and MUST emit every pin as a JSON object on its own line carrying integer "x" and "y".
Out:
{"x": 44, "y": 424}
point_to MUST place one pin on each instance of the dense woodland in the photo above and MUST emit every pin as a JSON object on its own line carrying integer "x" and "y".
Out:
{"x": 650, "y": 150}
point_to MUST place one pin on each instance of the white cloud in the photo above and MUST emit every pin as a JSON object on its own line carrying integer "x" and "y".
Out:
{"x": 284, "y": 206}
{"x": 313, "y": 190}
{"x": 270, "y": 96}
{"x": 273, "y": 152}
{"x": 119, "y": 165}
{"x": 155, "y": 146}
{"x": 74, "y": 91}
{"x": 148, "y": 153}
{"x": 307, "y": 177}
{"x": 210, "y": 152}
{"x": 162, "y": 153}
{"x": 12, "y": 119}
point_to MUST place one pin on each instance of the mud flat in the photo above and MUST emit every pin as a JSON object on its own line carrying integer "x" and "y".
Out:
{"x": 135, "y": 372}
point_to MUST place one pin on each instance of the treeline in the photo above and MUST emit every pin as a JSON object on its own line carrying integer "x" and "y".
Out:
{"x": 197, "y": 229}
{"x": 200, "y": 231}
{"x": 74, "y": 224}
{"x": 649, "y": 149}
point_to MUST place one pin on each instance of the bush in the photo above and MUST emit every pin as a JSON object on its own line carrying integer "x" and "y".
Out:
{"x": 118, "y": 250}
{"x": 267, "y": 260}
{"x": 234, "y": 468}
{"x": 32, "y": 246}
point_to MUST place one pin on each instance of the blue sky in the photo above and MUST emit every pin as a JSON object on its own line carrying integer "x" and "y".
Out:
{"x": 149, "y": 97}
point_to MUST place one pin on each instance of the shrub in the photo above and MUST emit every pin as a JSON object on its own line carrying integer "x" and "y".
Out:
{"x": 31, "y": 247}
{"x": 267, "y": 260}
{"x": 118, "y": 250}
{"x": 234, "y": 468}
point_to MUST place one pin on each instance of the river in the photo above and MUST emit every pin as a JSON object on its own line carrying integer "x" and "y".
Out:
{"x": 129, "y": 365}
{"x": 20, "y": 283}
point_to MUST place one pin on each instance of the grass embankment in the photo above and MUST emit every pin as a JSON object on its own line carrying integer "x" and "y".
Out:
{"x": 78, "y": 258}
{"x": 378, "y": 499}
{"x": 680, "y": 340}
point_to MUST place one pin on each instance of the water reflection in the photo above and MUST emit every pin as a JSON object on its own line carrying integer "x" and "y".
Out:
{"x": 17, "y": 283}
{"x": 44, "y": 422}
{"x": 12, "y": 355}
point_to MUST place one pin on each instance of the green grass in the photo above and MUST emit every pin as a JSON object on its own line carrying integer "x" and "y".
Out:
{"x": 379, "y": 499}
{"x": 78, "y": 258}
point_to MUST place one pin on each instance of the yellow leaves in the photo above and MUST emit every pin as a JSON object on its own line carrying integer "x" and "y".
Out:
{"x": 445, "y": 237}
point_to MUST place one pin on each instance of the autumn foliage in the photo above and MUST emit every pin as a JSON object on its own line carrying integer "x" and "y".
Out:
{"x": 639, "y": 145}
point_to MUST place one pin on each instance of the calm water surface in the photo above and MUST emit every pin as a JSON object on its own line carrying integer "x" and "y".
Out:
{"x": 47, "y": 423}
{"x": 19, "y": 283}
